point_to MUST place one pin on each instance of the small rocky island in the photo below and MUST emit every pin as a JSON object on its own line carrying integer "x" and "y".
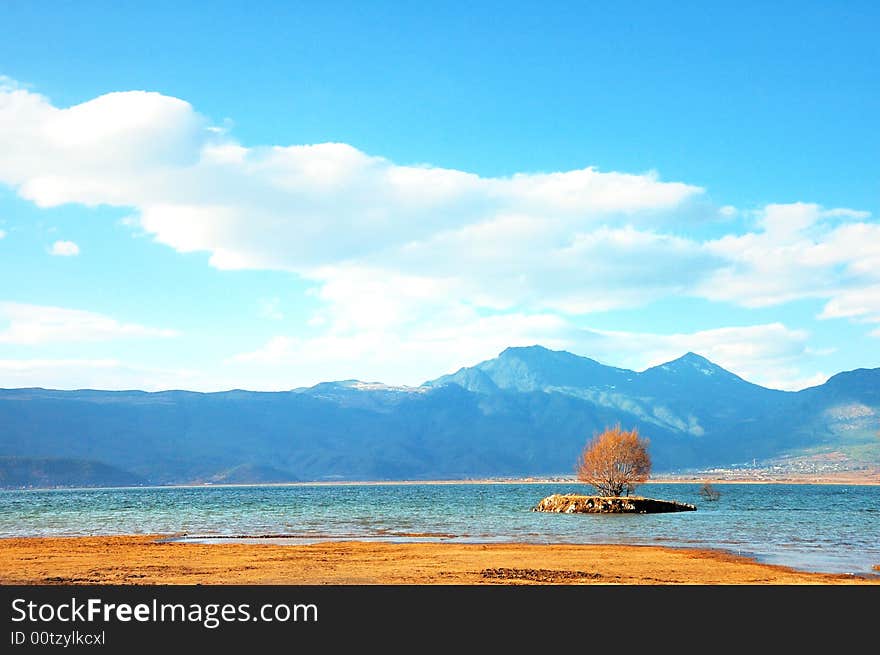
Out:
{"x": 614, "y": 461}
{"x": 580, "y": 504}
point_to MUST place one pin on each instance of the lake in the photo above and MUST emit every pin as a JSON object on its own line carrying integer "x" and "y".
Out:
{"x": 828, "y": 528}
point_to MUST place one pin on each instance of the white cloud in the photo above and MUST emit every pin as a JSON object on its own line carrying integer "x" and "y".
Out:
{"x": 766, "y": 354}
{"x": 94, "y": 152}
{"x": 424, "y": 257}
{"x": 847, "y": 213}
{"x": 570, "y": 241}
{"x": 38, "y": 324}
{"x": 402, "y": 356}
{"x": 2, "y": 234}
{"x": 92, "y": 374}
{"x": 64, "y": 249}
{"x": 403, "y": 349}
{"x": 790, "y": 379}
{"x": 801, "y": 251}
{"x": 305, "y": 207}
{"x": 518, "y": 260}
{"x": 769, "y": 354}
{"x": 854, "y": 303}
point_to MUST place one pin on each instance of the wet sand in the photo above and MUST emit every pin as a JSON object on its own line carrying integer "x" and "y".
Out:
{"x": 147, "y": 560}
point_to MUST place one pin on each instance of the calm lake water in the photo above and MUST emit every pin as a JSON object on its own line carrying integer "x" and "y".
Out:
{"x": 832, "y": 528}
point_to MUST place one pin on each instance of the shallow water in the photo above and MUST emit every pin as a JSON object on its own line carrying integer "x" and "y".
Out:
{"x": 830, "y": 528}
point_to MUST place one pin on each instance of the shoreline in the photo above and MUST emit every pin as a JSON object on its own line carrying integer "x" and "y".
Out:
{"x": 155, "y": 560}
{"x": 869, "y": 480}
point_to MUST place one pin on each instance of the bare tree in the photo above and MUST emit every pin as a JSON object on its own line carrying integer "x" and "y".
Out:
{"x": 615, "y": 461}
{"x": 708, "y": 492}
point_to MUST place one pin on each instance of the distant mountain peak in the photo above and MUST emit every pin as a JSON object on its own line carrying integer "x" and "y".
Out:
{"x": 693, "y": 366}
{"x": 512, "y": 350}
{"x": 692, "y": 360}
{"x": 536, "y": 368}
{"x": 533, "y": 368}
{"x": 540, "y": 354}
{"x": 531, "y": 352}
{"x": 691, "y": 357}
{"x": 359, "y": 385}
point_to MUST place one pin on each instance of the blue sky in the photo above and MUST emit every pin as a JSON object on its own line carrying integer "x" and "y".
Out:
{"x": 267, "y": 195}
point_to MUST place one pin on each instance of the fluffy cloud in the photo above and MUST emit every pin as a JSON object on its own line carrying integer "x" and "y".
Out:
{"x": 305, "y": 208}
{"x": 2, "y": 233}
{"x": 801, "y": 251}
{"x": 859, "y": 302}
{"x": 38, "y": 324}
{"x": 64, "y": 249}
{"x": 517, "y": 260}
{"x": 447, "y": 265}
{"x": 571, "y": 241}
{"x": 94, "y": 152}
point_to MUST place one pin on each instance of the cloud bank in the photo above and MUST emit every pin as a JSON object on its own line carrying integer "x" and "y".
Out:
{"x": 418, "y": 262}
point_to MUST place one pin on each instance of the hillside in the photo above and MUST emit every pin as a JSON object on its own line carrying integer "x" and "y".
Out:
{"x": 22, "y": 472}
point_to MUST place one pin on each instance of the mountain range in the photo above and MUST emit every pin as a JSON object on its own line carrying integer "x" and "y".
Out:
{"x": 527, "y": 412}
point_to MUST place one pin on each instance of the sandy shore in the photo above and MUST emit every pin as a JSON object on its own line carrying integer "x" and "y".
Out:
{"x": 149, "y": 560}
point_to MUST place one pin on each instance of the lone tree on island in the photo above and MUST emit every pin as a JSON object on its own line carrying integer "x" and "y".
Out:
{"x": 614, "y": 461}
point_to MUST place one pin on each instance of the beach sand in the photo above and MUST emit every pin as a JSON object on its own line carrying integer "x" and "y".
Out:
{"x": 146, "y": 560}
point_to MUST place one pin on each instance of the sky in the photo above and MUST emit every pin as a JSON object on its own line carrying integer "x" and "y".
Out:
{"x": 266, "y": 195}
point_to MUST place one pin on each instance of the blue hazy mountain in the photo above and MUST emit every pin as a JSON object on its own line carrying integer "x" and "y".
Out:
{"x": 528, "y": 411}
{"x": 19, "y": 472}
{"x": 536, "y": 369}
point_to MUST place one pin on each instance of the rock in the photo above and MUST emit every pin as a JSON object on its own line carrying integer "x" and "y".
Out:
{"x": 539, "y": 575}
{"x": 579, "y": 504}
